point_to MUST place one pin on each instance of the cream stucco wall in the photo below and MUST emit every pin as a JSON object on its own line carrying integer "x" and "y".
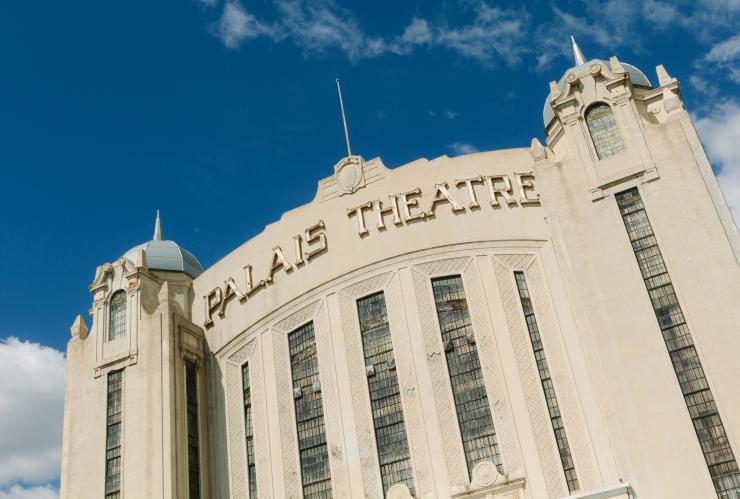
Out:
{"x": 627, "y": 424}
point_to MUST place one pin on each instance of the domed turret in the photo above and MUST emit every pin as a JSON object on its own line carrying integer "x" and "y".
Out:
{"x": 636, "y": 76}
{"x": 163, "y": 254}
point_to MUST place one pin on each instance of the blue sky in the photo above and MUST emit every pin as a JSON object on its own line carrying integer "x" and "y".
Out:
{"x": 224, "y": 115}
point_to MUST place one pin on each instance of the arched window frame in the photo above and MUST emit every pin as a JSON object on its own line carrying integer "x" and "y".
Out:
{"x": 117, "y": 308}
{"x": 608, "y": 140}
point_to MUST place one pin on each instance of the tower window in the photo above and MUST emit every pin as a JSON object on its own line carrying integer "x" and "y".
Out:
{"x": 385, "y": 396}
{"x": 191, "y": 401}
{"x": 113, "y": 436}
{"x": 251, "y": 470}
{"x": 604, "y": 130}
{"x": 471, "y": 402}
{"x": 548, "y": 388}
{"x": 694, "y": 386}
{"x": 117, "y": 318}
{"x": 309, "y": 414}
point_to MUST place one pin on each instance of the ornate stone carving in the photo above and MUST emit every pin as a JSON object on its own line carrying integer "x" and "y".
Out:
{"x": 349, "y": 175}
{"x": 398, "y": 491}
{"x": 485, "y": 474}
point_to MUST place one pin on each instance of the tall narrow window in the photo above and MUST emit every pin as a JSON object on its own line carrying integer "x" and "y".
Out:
{"x": 385, "y": 396}
{"x": 117, "y": 318}
{"x": 251, "y": 470}
{"x": 547, "y": 386}
{"x": 309, "y": 414}
{"x": 466, "y": 377}
{"x": 191, "y": 397}
{"x": 698, "y": 396}
{"x": 113, "y": 436}
{"x": 604, "y": 130}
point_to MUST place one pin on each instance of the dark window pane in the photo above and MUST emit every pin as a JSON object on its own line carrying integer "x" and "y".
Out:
{"x": 547, "y": 387}
{"x": 251, "y": 470}
{"x": 466, "y": 378}
{"x": 604, "y": 130}
{"x": 385, "y": 396}
{"x": 117, "y": 316}
{"x": 191, "y": 394}
{"x": 113, "y": 435}
{"x": 684, "y": 357}
{"x": 309, "y": 414}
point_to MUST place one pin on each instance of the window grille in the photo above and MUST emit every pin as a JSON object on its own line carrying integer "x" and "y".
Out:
{"x": 309, "y": 414}
{"x": 471, "y": 402}
{"x": 697, "y": 394}
{"x": 604, "y": 130}
{"x": 385, "y": 396}
{"x": 548, "y": 388}
{"x": 117, "y": 320}
{"x": 113, "y": 436}
{"x": 191, "y": 395}
{"x": 251, "y": 470}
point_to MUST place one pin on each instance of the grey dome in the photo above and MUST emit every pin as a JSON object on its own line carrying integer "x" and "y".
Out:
{"x": 636, "y": 76}
{"x": 166, "y": 255}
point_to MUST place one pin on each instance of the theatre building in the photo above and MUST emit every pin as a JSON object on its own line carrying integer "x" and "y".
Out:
{"x": 559, "y": 320}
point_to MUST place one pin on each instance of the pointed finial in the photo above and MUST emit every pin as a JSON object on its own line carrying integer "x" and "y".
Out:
{"x": 157, "y": 229}
{"x": 79, "y": 328}
{"x": 344, "y": 118}
{"x": 577, "y": 54}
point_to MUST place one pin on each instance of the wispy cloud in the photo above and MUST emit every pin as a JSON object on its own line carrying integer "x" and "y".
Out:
{"x": 31, "y": 408}
{"x": 481, "y": 31}
{"x": 462, "y": 148}
{"x": 719, "y": 130}
{"x": 30, "y": 492}
{"x": 725, "y": 56}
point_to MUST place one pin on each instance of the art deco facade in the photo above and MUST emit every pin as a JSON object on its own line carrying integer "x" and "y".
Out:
{"x": 546, "y": 322}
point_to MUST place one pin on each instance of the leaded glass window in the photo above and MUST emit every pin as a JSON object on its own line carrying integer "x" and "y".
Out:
{"x": 694, "y": 386}
{"x": 117, "y": 318}
{"x": 309, "y": 414}
{"x": 385, "y": 396}
{"x": 548, "y": 388}
{"x": 113, "y": 436}
{"x": 251, "y": 470}
{"x": 471, "y": 402}
{"x": 191, "y": 396}
{"x": 604, "y": 130}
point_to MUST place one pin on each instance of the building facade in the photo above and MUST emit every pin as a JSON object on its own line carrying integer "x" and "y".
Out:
{"x": 545, "y": 322}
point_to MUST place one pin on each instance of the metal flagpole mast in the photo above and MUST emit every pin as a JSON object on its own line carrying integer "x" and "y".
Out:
{"x": 344, "y": 118}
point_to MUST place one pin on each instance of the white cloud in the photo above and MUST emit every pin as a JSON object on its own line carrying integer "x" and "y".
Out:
{"x": 237, "y": 25}
{"x": 462, "y": 148}
{"x": 31, "y": 411}
{"x": 725, "y": 55}
{"x": 37, "y": 492}
{"x": 720, "y": 134}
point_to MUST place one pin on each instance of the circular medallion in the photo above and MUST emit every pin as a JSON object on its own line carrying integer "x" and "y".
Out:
{"x": 485, "y": 474}
{"x": 398, "y": 491}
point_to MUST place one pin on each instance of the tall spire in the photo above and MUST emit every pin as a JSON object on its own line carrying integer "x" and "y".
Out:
{"x": 157, "y": 229}
{"x": 344, "y": 119}
{"x": 577, "y": 54}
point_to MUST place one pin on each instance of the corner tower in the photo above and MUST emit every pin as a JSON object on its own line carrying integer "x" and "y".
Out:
{"x": 650, "y": 252}
{"x": 135, "y": 381}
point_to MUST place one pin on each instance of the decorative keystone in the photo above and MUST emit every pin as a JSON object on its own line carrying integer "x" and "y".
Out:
{"x": 79, "y": 328}
{"x": 663, "y": 77}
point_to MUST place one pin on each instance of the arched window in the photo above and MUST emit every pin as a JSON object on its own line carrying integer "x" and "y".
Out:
{"x": 117, "y": 318}
{"x": 604, "y": 130}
